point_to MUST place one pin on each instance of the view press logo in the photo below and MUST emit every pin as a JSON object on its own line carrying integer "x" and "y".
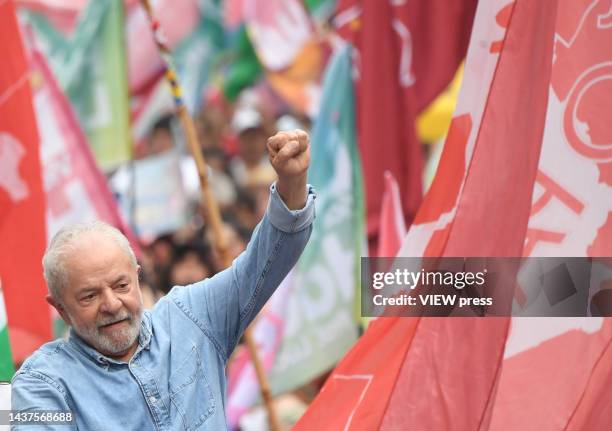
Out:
{"x": 482, "y": 286}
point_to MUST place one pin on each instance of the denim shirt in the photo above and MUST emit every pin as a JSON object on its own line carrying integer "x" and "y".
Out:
{"x": 176, "y": 378}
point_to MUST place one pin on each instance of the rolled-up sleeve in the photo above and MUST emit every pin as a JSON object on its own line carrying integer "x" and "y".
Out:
{"x": 224, "y": 305}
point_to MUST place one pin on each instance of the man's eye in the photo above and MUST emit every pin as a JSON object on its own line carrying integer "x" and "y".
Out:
{"x": 88, "y": 297}
{"x": 124, "y": 286}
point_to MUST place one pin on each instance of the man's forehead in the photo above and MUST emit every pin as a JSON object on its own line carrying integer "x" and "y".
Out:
{"x": 95, "y": 242}
{"x": 94, "y": 252}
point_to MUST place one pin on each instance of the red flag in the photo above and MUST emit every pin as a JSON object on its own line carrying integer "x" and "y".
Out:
{"x": 22, "y": 205}
{"x": 356, "y": 394}
{"x": 392, "y": 227}
{"x": 558, "y": 371}
{"x": 407, "y": 53}
{"x": 495, "y": 195}
{"x": 557, "y": 193}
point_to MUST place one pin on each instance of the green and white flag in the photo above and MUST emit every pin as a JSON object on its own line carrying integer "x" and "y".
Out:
{"x": 6, "y": 359}
{"x": 321, "y": 324}
{"x": 90, "y": 66}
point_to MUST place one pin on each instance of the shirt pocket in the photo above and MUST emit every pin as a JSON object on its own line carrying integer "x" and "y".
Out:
{"x": 190, "y": 392}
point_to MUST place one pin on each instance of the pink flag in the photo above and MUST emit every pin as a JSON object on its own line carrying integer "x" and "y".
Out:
{"x": 75, "y": 188}
{"x": 177, "y": 18}
{"x": 392, "y": 225}
{"x": 243, "y": 387}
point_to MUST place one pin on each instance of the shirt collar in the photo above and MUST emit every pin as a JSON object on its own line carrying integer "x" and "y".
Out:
{"x": 144, "y": 342}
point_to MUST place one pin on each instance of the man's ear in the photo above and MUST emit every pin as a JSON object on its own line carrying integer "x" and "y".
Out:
{"x": 60, "y": 309}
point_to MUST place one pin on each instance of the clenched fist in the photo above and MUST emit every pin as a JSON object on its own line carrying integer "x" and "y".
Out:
{"x": 290, "y": 156}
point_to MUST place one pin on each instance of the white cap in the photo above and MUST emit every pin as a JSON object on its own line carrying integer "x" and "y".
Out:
{"x": 246, "y": 118}
{"x": 288, "y": 123}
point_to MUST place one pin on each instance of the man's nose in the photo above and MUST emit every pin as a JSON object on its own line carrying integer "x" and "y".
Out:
{"x": 110, "y": 304}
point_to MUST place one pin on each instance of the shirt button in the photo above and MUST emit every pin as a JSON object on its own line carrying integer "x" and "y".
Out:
{"x": 152, "y": 399}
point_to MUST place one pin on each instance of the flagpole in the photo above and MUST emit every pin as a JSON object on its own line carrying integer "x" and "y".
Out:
{"x": 213, "y": 216}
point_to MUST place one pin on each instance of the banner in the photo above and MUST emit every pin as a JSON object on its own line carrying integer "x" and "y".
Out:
{"x": 22, "y": 200}
{"x": 153, "y": 207}
{"x": 321, "y": 325}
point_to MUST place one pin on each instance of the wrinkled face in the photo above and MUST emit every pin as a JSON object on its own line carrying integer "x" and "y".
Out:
{"x": 102, "y": 299}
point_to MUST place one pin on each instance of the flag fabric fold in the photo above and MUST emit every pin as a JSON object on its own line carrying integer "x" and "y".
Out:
{"x": 405, "y": 54}
{"x": 524, "y": 172}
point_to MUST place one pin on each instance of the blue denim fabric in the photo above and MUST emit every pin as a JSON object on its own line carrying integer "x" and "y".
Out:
{"x": 176, "y": 378}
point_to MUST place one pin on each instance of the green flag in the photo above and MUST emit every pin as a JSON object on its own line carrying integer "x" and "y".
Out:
{"x": 6, "y": 359}
{"x": 320, "y": 10}
{"x": 243, "y": 67}
{"x": 197, "y": 55}
{"x": 321, "y": 324}
{"x": 91, "y": 68}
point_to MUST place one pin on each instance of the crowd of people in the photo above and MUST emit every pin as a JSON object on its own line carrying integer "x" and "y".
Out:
{"x": 232, "y": 137}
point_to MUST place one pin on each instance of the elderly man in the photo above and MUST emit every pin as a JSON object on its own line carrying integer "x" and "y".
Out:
{"x": 125, "y": 369}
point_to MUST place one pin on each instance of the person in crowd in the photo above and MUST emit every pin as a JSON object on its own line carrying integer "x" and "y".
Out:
{"x": 190, "y": 265}
{"x": 251, "y": 166}
{"x": 245, "y": 210}
{"x": 161, "y": 139}
{"x": 234, "y": 241}
{"x": 125, "y": 368}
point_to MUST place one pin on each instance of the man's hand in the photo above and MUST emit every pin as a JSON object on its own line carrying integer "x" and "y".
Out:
{"x": 290, "y": 156}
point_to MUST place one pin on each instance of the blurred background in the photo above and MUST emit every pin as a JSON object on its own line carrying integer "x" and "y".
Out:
{"x": 375, "y": 83}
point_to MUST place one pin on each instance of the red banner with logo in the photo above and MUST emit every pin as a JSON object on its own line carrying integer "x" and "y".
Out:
{"x": 526, "y": 171}
{"x": 22, "y": 202}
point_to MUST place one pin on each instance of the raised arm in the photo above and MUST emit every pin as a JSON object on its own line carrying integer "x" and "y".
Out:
{"x": 290, "y": 156}
{"x": 224, "y": 305}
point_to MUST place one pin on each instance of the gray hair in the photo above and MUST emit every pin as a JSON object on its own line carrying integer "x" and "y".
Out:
{"x": 63, "y": 243}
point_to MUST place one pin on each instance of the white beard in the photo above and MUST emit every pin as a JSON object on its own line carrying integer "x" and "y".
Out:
{"x": 116, "y": 342}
